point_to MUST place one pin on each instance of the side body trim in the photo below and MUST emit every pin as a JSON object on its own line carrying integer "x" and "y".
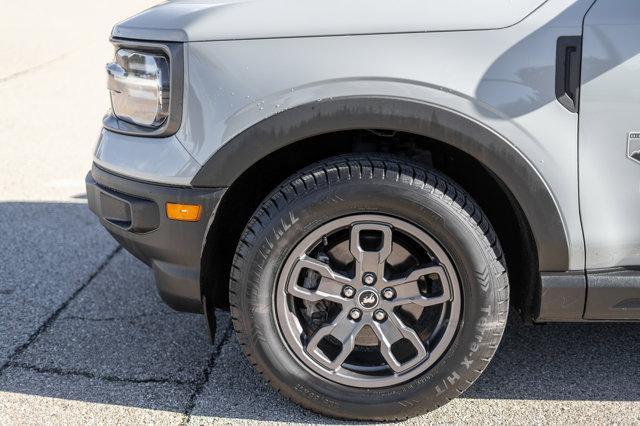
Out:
{"x": 459, "y": 131}
{"x": 562, "y": 296}
{"x": 613, "y": 295}
{"x": 598, "y": 295}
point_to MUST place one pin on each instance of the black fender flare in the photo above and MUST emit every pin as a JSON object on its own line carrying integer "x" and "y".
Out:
{"x": 450, "y": 127}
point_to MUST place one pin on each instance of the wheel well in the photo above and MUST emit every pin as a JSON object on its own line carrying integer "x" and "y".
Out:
{"x": 247, "y": 192}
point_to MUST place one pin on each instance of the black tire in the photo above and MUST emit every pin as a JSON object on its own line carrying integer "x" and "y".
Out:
{"x": 378, "y": 184}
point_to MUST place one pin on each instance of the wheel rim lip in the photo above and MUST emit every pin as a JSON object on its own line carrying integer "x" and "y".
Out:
{"x": 288, "y": 331}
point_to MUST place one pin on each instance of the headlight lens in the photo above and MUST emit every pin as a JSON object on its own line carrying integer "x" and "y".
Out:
{"x": 138, "y": 83}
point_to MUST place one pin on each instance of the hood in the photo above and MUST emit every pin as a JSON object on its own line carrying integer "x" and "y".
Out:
{"x": 204, "y": 20}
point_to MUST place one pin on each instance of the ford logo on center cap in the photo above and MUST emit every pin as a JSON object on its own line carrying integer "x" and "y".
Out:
{"x": 368, "y": 299}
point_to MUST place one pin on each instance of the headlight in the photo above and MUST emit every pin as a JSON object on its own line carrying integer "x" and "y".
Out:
{"x": 139, "y": 85}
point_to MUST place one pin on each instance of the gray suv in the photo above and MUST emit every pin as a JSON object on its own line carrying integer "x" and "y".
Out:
{"x": 369, "y": 186}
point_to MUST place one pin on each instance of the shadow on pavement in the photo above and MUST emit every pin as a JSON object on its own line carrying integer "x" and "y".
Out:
{"x": 115, "y": 342}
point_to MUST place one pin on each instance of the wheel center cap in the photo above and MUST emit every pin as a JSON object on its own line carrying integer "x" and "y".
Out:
{"x": 368, "y": 299}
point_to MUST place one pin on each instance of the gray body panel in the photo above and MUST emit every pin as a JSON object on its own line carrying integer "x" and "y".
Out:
{"x": 161, "y": 160}
{"x": 610, "y": 110}
{"x": 503, "y": 79}
{"x": 609, "y": 170}
{"x": 205, "y": 20}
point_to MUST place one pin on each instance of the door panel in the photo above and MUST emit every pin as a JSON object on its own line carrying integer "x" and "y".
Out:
{"x": 609, "y": 159}
{"x": 609, "y": 115}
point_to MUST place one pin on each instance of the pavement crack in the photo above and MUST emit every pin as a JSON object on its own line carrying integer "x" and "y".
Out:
{"x": 34, "y": 68}
{"x": 118, "y": 318}
{"x": 45, "y": 325}
{"x": 106, "y": 378}
{"x": 200, "y": 384}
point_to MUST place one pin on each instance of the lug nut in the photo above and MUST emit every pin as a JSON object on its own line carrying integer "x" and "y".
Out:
{"x": 380, "y": 315}
{"x": 388, "y": 293}
{"x": 369, "y": 278}
{"x": 348, "y": 291}
{"x": 355, "y": 314}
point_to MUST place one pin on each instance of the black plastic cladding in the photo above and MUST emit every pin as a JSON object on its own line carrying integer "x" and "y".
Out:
{"x": 172, "y": 248}
{"x": 568, "y": 57}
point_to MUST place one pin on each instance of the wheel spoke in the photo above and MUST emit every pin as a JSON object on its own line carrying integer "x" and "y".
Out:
{"x": 329, "y": 288}
{"x": 345, "y": 331}
{"x": 366, "y": 260}
{"x": 323, "y": 269}
{"x": 408, "y": 291}
{"x": 390, "y": 332}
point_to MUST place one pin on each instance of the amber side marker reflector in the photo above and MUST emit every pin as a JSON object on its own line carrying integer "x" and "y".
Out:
{"x": 184, "y": 212}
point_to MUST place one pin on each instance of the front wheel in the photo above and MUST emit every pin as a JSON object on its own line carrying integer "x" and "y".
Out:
{"x": 369, "y": 288}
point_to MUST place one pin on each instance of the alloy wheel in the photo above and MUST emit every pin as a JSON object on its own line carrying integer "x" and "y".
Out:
{"x": 368, "y": 301}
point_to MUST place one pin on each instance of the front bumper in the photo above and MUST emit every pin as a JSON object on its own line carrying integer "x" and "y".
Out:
{"x": 134, "y": 213}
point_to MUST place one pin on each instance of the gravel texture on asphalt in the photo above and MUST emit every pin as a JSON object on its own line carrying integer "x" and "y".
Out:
{"x": 84, "y": 337}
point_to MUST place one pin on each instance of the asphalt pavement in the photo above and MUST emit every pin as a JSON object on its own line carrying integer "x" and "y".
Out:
{"x": 84, "y": 337}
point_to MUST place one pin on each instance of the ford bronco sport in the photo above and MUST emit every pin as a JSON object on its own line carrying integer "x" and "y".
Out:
{"x": 370, "y": 185}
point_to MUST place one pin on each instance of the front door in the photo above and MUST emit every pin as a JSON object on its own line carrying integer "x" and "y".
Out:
{"x": 609, "y": 158}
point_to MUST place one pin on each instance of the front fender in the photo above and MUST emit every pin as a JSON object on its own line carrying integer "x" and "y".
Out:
{"x": 484, "y": 144}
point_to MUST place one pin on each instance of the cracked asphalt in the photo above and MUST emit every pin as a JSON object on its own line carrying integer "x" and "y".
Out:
{"x": 84, "y": 337}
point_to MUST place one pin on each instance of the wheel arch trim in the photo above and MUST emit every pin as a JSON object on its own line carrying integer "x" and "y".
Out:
{"x": 488, "y": 147}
